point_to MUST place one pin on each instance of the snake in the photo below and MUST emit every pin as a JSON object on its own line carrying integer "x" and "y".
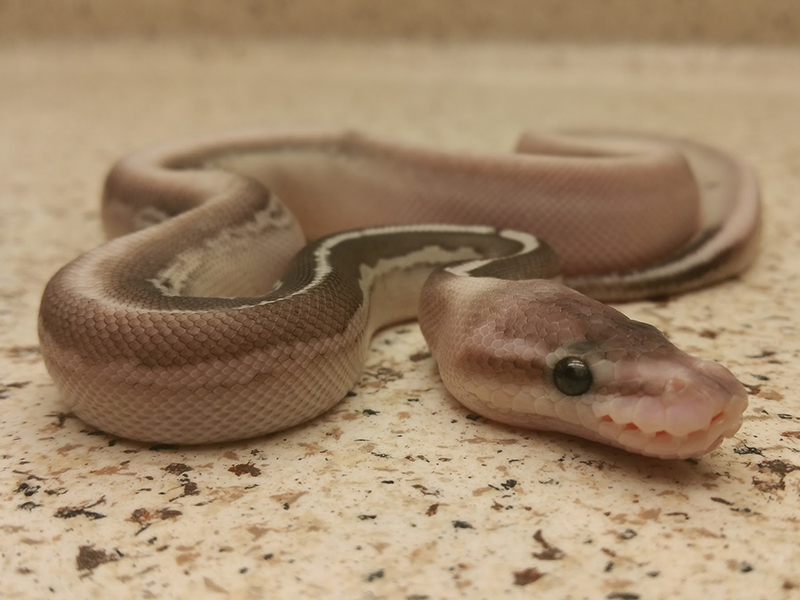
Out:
{"x": 247, "y": 272}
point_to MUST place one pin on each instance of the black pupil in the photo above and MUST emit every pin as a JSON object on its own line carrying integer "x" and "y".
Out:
{"x": 572, "y": 376}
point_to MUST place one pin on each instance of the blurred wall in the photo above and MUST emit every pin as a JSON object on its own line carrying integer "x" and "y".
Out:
{"x": 684, "y": 21}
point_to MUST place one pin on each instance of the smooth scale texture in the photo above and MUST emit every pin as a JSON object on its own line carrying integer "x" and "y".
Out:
{"x": 199, "y": 326}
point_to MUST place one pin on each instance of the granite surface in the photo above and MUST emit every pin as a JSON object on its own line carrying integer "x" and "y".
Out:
{"x": 398, "y": 492}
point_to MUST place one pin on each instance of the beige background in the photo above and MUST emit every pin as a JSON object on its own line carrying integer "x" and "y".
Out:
{"x": 721, "y": 21}
{"x": 397, "y": 492}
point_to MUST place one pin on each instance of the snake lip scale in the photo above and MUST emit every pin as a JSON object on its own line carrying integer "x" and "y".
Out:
{"x": 247, "y": 273}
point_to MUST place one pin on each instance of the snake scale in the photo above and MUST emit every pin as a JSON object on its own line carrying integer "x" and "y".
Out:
{"x": 248, "y": 272}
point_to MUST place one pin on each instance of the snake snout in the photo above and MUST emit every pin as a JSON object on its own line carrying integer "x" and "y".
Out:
{"x": 697, "y": 398}
{"x": 725, "y": 381}
{"x": 699, "y": 404}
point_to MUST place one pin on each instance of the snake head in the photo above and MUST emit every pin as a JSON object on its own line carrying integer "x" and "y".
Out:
{"x": 545, "y": 357}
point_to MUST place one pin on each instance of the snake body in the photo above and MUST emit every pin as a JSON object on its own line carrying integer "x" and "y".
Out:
{"x": 209, "y": 318}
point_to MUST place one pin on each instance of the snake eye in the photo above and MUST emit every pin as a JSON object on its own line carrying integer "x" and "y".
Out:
{"x": 572, "y": 376}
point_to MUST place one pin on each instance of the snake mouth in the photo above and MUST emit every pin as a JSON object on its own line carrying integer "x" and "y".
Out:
{"x": 663, "y": 444}
{"x": 690, "y": 418}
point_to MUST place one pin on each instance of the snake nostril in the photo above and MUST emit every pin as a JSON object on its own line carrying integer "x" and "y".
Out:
{"x": 675, "y": 385}
{"x": 718, "y": 416}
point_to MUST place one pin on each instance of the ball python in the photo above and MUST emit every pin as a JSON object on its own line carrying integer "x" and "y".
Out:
{"x": 247, "y": 273}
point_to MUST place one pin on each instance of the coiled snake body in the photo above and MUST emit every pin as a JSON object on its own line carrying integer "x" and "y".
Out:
{"x": 206, "y": 319}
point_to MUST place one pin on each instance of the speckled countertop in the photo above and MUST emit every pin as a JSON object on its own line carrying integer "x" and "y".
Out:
{"x": 398, "y": 492}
